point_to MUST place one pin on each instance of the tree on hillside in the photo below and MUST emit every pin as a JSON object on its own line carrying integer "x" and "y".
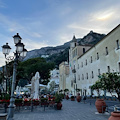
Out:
{"x": 31, "y": 66}
{"x": 58, "y": 58}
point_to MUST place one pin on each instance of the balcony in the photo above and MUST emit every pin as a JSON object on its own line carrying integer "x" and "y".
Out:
{"x": 74, "y": 71}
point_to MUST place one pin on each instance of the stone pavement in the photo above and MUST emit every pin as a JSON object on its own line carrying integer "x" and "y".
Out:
{"x": 71, "y": 110}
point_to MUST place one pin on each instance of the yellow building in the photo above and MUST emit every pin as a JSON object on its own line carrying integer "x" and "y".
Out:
{"x": 63, "y": 73}
{"x": 75, "y": 51}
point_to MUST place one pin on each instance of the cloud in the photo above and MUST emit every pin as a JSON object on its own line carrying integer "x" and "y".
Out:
{"x": 30, "y": 44}
{"x": 103, "y": 15}
{"x": 100, "y": 20}
{"x": 37, "y": 35}
{"x": 64, "y": 38}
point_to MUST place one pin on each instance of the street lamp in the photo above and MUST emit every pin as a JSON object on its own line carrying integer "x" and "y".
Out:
{"x": 19, "y": 53}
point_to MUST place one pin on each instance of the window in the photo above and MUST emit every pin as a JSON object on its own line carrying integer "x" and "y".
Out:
{"x": 86, "y": 62}
{"x": 91, "y": 59}
{"x": 78, "y": 66}
{"x": 78, "y": 77}
{"x": 92, "y": 75}
{"x": 71, "y": 83}
{"x": 117, "y": 42}
{"x": 87, "y": 75}
{"x": 74, "y": 78}
{"x": 108, "y": 68}
{"x": 75, "y": 44}
{"x": 97, "y": 56}
{"x": 76, "y": 86}
{"x": 81, "y": 64}
{"x": 74, "y": 66}
{"x": 75, "y": 52}
{"x": 119, "y": 67}
{"x": 82, "y": 77}
{"x": 98, "y": 71}
{"x": 106, "y": 50}
{"x": 83, "y": 50}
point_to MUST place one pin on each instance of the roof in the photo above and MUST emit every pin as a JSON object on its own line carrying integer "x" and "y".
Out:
{"x": 74, "y": 39}
{"x": 101, "y": 39}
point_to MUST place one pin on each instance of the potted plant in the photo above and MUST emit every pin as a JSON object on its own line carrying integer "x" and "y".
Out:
{"x": 36, "y": 102}
{"x": 115, "y": 115}
{"x": 100, "y": 103}
{"x": 72, "y": 98}
{"x": 27, "y": 102}
{"x": 67, "y": 96}
{"x": 58, "y": 100}
{"x": 66, "y": 90}
{"x": 78, "y": 97}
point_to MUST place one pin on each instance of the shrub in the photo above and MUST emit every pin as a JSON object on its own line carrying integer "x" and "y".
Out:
{"x": 58, "y": 98}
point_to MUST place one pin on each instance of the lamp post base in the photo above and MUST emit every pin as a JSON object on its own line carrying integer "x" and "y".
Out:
{"x": 11, "y": 109}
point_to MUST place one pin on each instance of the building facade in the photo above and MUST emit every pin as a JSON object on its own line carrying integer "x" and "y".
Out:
{"x": 63, "y": 72}
{"x": 101, "y": 58}
{"x": 86, "y": 63}
{"x": 54, "y": 77}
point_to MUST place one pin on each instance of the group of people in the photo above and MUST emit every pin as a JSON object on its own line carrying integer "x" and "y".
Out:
{"x": 20, "y": 96}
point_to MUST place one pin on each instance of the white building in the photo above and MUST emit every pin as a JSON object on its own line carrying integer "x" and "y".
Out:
{"x": 44, "y": 56}
{"x": 54, "y": 77}
{"x": 87, "y": 62}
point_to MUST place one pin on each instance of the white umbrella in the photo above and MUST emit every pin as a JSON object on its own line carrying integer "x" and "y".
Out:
{"x": 36, "y": 85}
{"x": 40, "y": 86}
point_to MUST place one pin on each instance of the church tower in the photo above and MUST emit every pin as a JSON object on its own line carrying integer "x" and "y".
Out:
{"x": 74, "y": 42}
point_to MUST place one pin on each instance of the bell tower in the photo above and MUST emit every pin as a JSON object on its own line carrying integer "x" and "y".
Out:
{"x": 74, "y": 42}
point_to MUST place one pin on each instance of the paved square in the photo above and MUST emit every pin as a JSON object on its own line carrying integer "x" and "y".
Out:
{"x": 71, "y": 110}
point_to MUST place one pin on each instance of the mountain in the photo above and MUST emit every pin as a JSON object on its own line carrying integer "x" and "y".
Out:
{"x": 46, "y": 51}
{"x": 91, "y": 38}
{"x": 60, "y": 53}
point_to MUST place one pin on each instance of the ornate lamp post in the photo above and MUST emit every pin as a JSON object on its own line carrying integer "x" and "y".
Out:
{"x": 19, "y": 53}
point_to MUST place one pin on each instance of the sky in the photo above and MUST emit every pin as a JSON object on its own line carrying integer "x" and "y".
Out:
{"x": 43, "y": 23}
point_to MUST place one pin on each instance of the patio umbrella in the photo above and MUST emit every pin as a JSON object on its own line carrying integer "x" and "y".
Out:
{"x": 40, "y": 86}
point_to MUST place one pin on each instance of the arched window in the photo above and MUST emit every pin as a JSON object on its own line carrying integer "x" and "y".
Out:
{"x": 83, "y": 50}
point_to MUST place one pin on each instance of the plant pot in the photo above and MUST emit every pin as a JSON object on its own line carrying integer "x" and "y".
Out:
{"x": 59, "y": 106}
{"x": 78, "y": 98}
{"x": 72, "y": 99}
{"x": 67, "y": 97}
{"x": 115, "y": 115}
{"x": 100, "y": 105}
